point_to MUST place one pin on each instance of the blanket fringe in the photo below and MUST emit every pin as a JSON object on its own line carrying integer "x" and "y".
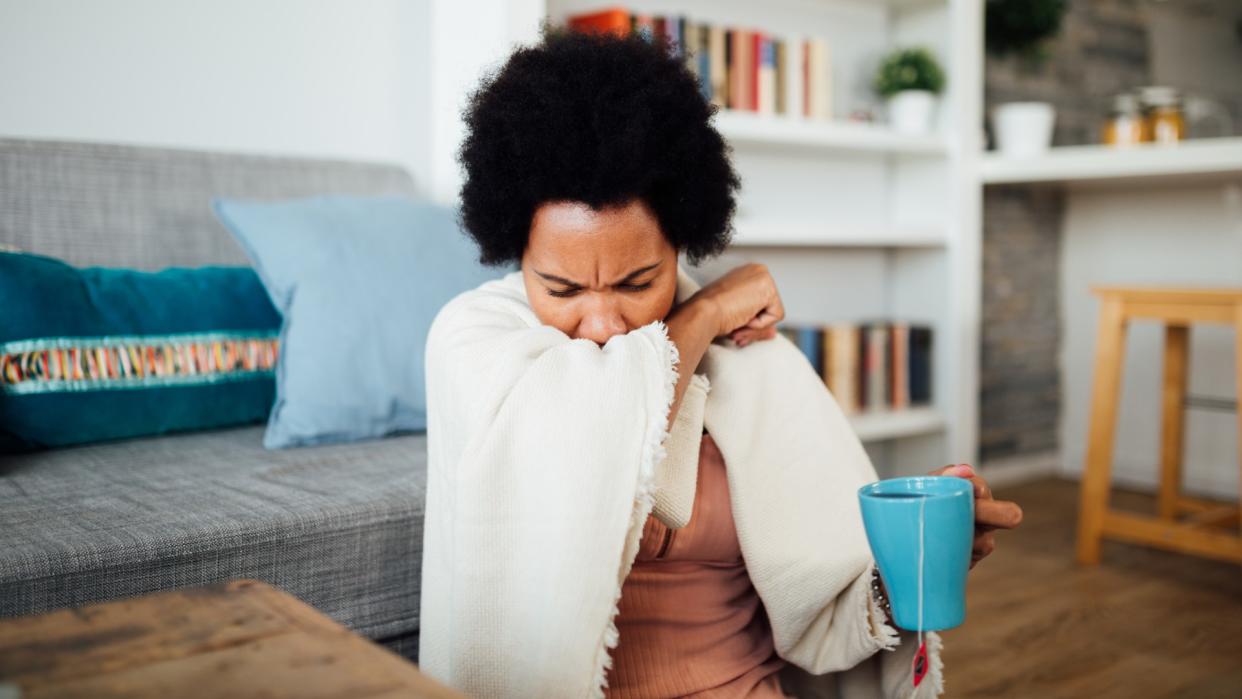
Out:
{"x": 644, "y": 502}
{"x": 936, "y": 672}
{"x": 882, "y": 633}
{"x": 890, "y": 638}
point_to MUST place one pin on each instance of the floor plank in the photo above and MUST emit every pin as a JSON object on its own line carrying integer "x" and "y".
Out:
{"x": 1144, "y": 623}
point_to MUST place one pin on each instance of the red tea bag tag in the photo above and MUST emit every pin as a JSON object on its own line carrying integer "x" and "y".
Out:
{"x": 920, "y": 664}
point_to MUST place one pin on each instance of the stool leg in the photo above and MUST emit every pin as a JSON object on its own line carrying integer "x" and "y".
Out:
{"x": 1173, "y": 419}
{"x": 1237, "y": 344}
{"x": 1105, "y": 391}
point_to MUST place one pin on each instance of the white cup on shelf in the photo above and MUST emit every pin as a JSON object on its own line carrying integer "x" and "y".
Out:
{"x": 1023, "y": 129}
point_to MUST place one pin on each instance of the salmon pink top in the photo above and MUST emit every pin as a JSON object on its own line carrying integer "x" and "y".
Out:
{"x": 691, "y": 623}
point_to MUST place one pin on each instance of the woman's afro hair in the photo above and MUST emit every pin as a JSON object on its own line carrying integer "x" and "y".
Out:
{"x": 597, "y": 119}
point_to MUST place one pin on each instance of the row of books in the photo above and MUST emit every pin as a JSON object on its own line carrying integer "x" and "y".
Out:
{"x": 738, "y": 68}
{"x": 872, "y": 366}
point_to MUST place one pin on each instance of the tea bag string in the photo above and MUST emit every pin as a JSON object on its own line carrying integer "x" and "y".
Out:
{"x": 922, "y": 541}
{"x": 919, "y": 664}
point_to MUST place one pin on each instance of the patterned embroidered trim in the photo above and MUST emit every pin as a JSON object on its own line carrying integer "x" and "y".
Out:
{"x": 58, "y": 364}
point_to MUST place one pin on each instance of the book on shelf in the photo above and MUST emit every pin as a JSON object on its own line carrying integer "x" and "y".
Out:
{"x": 716, "y": 80}
{"x": 739, "y": 68}
{"x": 871, "y": 366}
{"x": 818, "y": 80}
{"x": 874, "y": 348}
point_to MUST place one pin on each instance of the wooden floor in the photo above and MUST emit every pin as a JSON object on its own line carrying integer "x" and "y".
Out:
{"x": 1144, "y": 623}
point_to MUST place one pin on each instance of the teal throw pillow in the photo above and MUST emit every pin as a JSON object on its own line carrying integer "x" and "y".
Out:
{"x": 97, "y": 354}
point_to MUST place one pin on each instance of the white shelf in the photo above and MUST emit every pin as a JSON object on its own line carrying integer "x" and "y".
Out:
{"x": 892, "y": 424}
{"x": 780, "y": 131}
{"x": 1196, "y": 159}
{"x": 768, "y": 234}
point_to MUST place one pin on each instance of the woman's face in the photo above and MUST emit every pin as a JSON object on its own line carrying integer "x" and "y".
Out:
{"x": 594, "y": 274}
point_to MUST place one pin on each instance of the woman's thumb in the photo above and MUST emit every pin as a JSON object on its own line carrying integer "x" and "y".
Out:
{"x": 959, "y": 470}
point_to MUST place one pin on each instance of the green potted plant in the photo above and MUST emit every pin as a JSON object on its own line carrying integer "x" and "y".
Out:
{"x": 910, "y": 79}
{"x": 1021, "y": 27}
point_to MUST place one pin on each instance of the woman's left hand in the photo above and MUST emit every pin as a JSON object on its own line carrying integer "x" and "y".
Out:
{"x": 990, "y": 514}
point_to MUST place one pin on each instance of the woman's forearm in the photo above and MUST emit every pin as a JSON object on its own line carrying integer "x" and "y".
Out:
{"x": 743, "y": 301}
{"x": 691, "y": 326}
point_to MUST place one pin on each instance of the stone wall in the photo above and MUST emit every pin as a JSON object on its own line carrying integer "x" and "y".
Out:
{"x": 1020, "y": 381}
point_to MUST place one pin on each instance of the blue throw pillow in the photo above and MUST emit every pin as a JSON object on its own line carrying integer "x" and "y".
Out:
{"x": 358, "y": 280}
{"x": 95, "y": 354}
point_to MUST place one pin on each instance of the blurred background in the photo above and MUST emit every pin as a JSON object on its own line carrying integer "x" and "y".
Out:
{"x": 937, "y": 185}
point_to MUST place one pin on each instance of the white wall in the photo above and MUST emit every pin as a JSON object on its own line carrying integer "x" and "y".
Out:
{"x": 467, "y": 38}
{"x": 376, "y": 80}
{"x": 1190, "y": 236}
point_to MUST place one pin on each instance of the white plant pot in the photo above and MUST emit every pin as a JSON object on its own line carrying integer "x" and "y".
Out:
{"x": 911, "y": 111}
{"x": 1023, "y": 129}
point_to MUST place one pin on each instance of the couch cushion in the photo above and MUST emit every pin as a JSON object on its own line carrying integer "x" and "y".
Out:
{"x": 339, "y": 527}
{"x": 109, "y": 205}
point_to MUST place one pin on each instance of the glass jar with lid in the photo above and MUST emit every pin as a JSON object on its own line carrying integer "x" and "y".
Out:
{"x": 1163, "y": 119}
{"x": 1125, "y": 125}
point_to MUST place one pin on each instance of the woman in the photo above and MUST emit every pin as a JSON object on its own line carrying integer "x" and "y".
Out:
{"x": 635, "y": 489}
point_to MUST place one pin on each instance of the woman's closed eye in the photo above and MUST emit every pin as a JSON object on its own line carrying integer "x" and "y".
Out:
{"x": 574, "y": 291}
{"x": 634, "y": 287}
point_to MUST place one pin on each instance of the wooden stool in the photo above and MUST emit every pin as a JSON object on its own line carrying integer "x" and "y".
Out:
{"x": 1205, "y": 531}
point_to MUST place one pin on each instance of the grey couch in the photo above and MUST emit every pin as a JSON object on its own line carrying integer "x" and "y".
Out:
{"x": 339, "y": 527}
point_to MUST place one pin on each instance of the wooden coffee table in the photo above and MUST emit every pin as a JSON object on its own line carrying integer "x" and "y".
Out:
{"x": 236, "y": 639}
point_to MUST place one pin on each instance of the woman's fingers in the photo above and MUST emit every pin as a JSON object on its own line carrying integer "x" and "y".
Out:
{"x": 760, "y": 334}
{"x": 983, "y": 547}
{"x": 763, "y": 325}
{"x": 959, "y": 470}
{"x": 997, "y": 514}
{"x": 990, "y": 514}
{"x": 982, "y": 490}
{"x": 771, "y": 314}
{"x": 745, "y": 336}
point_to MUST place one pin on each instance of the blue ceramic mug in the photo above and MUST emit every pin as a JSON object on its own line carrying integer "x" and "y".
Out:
{"x": 890, "y": 510}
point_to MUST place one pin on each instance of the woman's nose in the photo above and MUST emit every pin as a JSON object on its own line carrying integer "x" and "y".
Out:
{"x": 602, "y": 321}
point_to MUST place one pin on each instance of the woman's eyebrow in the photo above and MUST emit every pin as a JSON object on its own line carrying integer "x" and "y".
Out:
{"x": 637, "y": 273}
{"x": 558, "y": 280}
{"x": 624, "y": 280}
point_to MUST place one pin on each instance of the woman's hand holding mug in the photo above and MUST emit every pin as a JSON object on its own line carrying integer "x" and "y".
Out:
{"x": 926, "y": 533}
{"x": 990, "y": 514}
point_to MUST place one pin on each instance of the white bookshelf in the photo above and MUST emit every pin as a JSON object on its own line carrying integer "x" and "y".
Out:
{"x": 856, "y": 221}
{"x": 1083, "y": 165}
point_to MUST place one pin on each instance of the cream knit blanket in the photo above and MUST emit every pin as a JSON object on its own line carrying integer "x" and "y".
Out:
{"x": 546, "y": 455}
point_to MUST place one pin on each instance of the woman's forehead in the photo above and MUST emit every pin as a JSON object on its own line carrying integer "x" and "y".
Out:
{"x": 589, "y": 246}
